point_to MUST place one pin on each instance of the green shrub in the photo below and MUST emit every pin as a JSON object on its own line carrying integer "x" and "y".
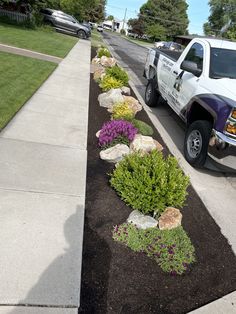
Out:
{"x": 122, "y": 111}
{"x": 103, "y": 52}
{"x": 172, "y": 249}
{"x": 109, "y": 82}
{"x": 123, "y": 32}
{"x": 143, "y": 128}
{"x": 149, "y": 182}
{"x": 119, "y": 74}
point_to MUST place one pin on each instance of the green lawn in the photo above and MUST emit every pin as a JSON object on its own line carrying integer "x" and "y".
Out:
{"x": 43, "y": 40}
{"x": 20, "y": 78}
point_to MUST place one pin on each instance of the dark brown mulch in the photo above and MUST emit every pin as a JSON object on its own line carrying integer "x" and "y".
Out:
{"x": 117, "y": 280}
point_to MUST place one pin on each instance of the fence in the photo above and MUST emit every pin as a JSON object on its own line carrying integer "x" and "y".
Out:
{"x": 16, "y": 16}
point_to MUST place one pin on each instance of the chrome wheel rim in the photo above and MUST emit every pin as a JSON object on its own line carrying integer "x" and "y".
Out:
{"x": 194, "y": 144}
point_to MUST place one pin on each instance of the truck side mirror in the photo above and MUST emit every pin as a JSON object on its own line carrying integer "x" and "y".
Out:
{"x": 190, "y": 66}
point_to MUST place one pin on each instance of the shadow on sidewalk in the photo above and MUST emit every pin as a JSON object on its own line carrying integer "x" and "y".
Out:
{"x": 57, "y": 285}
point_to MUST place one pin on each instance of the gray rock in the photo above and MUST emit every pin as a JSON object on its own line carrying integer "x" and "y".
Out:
{"x": 108, "y": 99}
{"x": 142, "y": 221}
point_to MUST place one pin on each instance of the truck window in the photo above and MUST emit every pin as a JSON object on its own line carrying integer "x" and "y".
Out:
{"x": 222, "y": 63}
{"x": 195, "y": 54}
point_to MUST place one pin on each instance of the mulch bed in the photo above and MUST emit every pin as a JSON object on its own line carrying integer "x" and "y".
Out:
{"x": 118, "y": 280}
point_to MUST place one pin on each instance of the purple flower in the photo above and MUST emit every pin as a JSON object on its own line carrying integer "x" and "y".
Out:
{"x": 170, "y": 251}
{"x": 114, "y": 129}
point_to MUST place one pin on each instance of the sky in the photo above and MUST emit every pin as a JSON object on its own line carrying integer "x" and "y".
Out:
{"x": 198, "y": 12}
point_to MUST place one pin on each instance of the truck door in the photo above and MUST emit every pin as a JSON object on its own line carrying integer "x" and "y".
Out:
{"x": 182, "y": 85}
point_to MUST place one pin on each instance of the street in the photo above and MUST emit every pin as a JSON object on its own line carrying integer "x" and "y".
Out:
{"x": 216, "y": 189}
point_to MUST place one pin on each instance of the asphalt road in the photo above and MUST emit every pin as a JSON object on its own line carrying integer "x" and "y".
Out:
{"x": 216, "y": 189}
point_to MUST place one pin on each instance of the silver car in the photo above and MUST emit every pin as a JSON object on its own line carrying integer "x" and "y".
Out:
{"x": 65, "y": 22}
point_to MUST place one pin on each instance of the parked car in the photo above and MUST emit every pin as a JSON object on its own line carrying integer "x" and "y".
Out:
{"x": 199, "y": 84}
{"x": 100, "y": 28}
{"x": 65, "y": 22}
{"x": 159, "y": 44}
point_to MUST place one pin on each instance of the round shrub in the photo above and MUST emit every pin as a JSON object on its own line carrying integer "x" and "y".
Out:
{"x": 116, "y": 132}
{"x": 109, "y": 82}
{"x": 122, "y": 31}
{"x": 122, "y": 111}
{"x": 119, "y": 74}
{"x": 143, "y": 128}
{"x": 150, "y": 183}
{"x": 103, "y": 52}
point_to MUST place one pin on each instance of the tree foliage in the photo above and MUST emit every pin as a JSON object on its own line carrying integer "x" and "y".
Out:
{"x": 137, "y": 25}
{"x": 222, "y": 14}
{"x": 90, "y": 10}
{"x": 164, "y": 19}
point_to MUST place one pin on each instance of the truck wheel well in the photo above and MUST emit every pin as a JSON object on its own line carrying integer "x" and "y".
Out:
{"x": 197, "y": 112}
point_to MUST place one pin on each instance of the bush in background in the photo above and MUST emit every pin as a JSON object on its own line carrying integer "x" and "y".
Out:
{"x": 119, "y": 74}
{"x": 122, "y": 31}
{"x": 122, "y": 111}
{"x": 150, "y": 183}
{"x": 103, "y": 52}
{"x": 109, "y": 82}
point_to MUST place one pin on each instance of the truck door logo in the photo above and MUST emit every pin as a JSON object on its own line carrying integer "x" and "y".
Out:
{"x": 179, "y": 81}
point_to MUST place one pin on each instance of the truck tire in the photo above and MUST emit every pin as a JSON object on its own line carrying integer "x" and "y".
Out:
{"x": 196, "y": 142}
{"x": 151, "y": 94}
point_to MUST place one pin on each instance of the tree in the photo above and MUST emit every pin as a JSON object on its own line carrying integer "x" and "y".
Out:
{"x": 137, "y": 26}
{"x": 110, "y": 18}
{"x": 222, "y": 13}
{"x": 169, "y": 17}
{"x": 156, "y": 32}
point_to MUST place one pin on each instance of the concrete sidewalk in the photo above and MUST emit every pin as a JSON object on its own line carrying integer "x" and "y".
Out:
{"x": 42, "y": 188}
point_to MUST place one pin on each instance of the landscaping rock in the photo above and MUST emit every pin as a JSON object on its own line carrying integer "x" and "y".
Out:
{"x": 171, "y": 218}
{"x": 98, "y": 133}
{"x": 96, "y": 60}
{"x": 108, "y": 99}
{"x": 115, "y": 154}
{"x": 133, "y": 104}
{"x": 108, "y": 62}
{"x": 142, "y": 221}
{"x": 99, "y": 72}
{"x": 126, "y": 90}
{"x": 144, "y": 144}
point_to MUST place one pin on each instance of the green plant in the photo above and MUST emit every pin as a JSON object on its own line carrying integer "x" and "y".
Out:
{"x": 172, "y": 249}
{"x": 103, "y": 52}
{"x": 123, "y": 32}
{"x": 122, "y": 111}
{"x": 149, "y": 182}
{"x": 109, "y": 82}
{"x": 143, "y": 128}
{"x": 119, "y": 74}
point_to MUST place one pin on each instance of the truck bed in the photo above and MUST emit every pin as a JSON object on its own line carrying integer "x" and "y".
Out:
{"x": 174, "y": 55}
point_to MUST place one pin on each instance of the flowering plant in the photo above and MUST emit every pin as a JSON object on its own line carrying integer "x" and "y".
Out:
{"x": 116, "y": 131}
{"x": 122, "y": 111}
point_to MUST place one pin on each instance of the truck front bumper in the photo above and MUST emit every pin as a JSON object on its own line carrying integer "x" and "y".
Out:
{"x": 222, "y": 149}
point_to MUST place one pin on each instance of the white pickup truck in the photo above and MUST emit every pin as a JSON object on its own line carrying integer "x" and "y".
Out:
{"x": 199, "y": 84}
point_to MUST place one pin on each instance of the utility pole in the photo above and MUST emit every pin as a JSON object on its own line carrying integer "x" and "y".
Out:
{"x": 124, "y": 18}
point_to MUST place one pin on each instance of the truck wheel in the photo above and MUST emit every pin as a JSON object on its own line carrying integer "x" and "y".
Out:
{"x": 196, "y": 142}
{"x": 81, "y": 34}
{"x": 151, "y": 94}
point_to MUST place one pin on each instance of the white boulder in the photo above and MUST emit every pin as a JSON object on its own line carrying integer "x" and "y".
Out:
{"x": 144, "y": 144}
{"x": 111, "y": 97}
{"x": 107, "y": 62}
{"x": 126, "y": 90}
{"x": 142, "y": 221}
{"x": 114, "y": 154}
